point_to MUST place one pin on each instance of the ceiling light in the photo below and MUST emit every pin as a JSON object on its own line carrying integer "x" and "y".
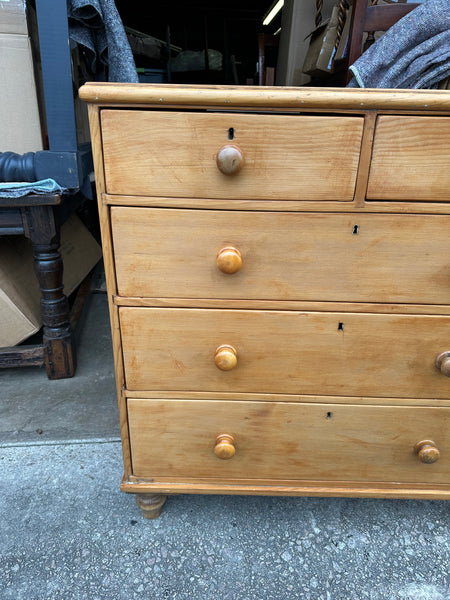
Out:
{"x": 273, "y": 12}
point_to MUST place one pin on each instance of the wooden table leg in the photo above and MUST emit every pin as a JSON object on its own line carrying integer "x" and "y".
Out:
{"x": 59, "y": 351}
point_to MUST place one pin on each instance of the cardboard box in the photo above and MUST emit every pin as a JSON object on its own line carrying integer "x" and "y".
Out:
{"x": 19, "y": 112}
{"x": 20, "y": 314}
{"x": 320, "y": 56}
{"x": 13, "y": 18}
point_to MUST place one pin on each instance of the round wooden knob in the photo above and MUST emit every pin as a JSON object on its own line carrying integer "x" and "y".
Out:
{"x": 225, "y": 358}
{"x": 427, "y": 451}
{"x": 229, "y": 159}
{"x": 224, "y": 447}
{"x": 443, "y": 363}
{"x": 229, "y": 260}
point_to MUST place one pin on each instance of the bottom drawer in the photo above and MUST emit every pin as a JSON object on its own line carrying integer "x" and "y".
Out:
{"x": 279, "y": 441}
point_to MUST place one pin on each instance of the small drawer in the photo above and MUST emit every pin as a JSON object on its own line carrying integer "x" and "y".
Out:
{"x": 263, "y": 440}
{"x": 291, "y": 352}
{"x": 229, "y": 155}
{"x": 175, "y": 253}
{"x": 411, "y": 159}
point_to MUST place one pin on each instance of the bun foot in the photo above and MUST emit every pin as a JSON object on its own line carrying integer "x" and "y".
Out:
{"x": 150, "y": 504}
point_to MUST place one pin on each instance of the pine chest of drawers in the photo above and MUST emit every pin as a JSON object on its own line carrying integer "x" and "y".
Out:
{"x": 278, "y": 273}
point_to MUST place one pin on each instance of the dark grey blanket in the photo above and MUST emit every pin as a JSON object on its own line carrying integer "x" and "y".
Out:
{"x": 413, "y": 53}
{"x": 96, "y": 25}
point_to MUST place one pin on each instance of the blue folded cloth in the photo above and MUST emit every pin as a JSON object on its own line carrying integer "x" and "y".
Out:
{"x": 17, "y": 190}
{"x": 96, "y": 25}
{"x": 413, "y": 53}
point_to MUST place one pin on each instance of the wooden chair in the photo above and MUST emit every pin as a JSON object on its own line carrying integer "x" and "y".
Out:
{"x": 368, "y": 19}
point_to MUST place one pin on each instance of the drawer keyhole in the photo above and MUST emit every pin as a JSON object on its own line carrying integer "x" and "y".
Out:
{"x": 355, "y": 229}
{"x": 231, "y": 133}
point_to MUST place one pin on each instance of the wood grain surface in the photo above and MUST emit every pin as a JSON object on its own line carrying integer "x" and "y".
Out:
{"x": 411, "y": 159}
{"x": 285, "y": 352}
{"x": 285, "y": 256}
{"x": 291, "y": 157}
{"x": 230, "y": 97}
{"x": 110, "y": 277}
{"x": 295, "y": 441}
{"x": 335, "y": 298}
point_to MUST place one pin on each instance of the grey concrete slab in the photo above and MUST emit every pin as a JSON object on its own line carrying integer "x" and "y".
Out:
{"x": 67, "y": 532}
{"x": 33, "y": 408}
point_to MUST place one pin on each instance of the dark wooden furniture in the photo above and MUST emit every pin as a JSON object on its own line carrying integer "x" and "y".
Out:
{"x": 39, "y": 217}
{"x": 368, "y": 19}
{"x": 34, "y": 216}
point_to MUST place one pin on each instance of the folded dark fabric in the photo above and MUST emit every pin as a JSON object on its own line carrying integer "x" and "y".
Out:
{"x": 413, "y": 53}
{"x": 96, "y": 25}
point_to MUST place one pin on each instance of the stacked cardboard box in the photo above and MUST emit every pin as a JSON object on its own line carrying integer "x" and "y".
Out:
{"x": 19, "y": 111}
{"x": 20, "y": 314}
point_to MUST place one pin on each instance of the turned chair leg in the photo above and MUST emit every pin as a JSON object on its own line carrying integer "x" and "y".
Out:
{"x": 58, "y": 344}
{"x": 150, "y": 504}
{"x": 59, "y": 352}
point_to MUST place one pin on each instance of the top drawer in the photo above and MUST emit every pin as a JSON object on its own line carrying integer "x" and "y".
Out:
{"x": 411, "y": 159}
{"x": 173, "y": 154}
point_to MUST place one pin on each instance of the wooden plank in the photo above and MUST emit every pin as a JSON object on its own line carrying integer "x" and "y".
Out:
{"x": 330, "y": 399}
{"x": 11, "y": 222}
{"x": 404, "y": 207}
{"x": 169, "y": 253}
{"x": 31, "y": 200}
{"x": 320, "y": 442}
{"x": 290, "y": 157}
{"x": 302, "y": 488}
{"x": 108, "y": 258}
{"x": 367, "y": 307}
{"x": 380, "y": 18}
{"x": 254, "y": 97}
{"x": 365, "y": 158}
{"x": 288, "y": 483}
{"x": 56, "y": 65}
{"x": 22, "y": 356}
{"x": 411, "y": 158}
{"x": 285, "y": 352}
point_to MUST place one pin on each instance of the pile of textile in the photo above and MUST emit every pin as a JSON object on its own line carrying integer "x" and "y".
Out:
{"x": 413, "y": 53}
{"x": 96, "y": 26}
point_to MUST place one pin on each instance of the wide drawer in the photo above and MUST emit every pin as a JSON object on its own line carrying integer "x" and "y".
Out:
{"x": 173, "y": 154}
{"x": 282, "y": 256}
{"x": 411, "y": 159}
{"x": 293, "y": 352}
{"x": 179, "y": 438}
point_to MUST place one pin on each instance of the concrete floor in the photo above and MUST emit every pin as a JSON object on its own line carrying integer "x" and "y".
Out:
{"x": 67, "y": 532}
